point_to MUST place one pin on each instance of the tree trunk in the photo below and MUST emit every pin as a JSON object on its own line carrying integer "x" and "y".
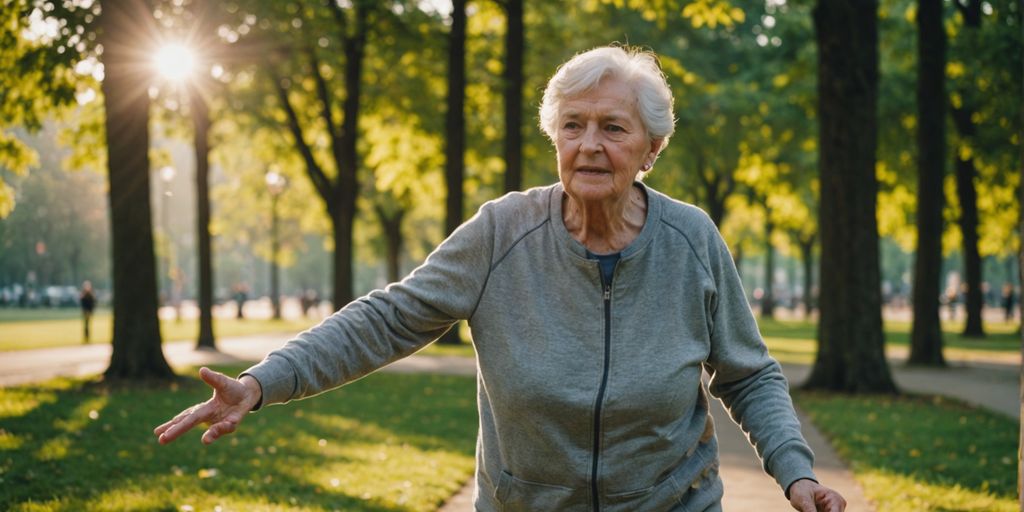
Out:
{"x": 851, "y": 354}
{"x": 455, "y": 131}
{"x": 1020, "y": 277}
{"x": 339, "y": 195}
{"x": 967, "y": 194}
{"x": 768, "y": 300}
{"x": 342, "y": 228}
{"x": 136, "y": 344}
{"x": 347, "y": 161}
{"x": 717, "y": 186}
{"x": 514, "y": 96}
{"x": 391, "y": 224}
{"x": 807, "y": 254}
{"x": 201, "y": 125}
{"x": 275, "y": 249}
{"x": 926, "y": 333}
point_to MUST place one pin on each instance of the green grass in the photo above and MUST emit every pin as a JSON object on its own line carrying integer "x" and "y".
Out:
{"x": 387, "y": 442}
{"x": 796, "y": 341}
{"x": 999, "y": 337}
{"x": 28, "y": 329}
{"x": 23, "y": 329}
{"x": 919, "y": 454}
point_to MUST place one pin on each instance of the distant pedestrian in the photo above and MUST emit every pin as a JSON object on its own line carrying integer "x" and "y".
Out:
{"x": 1008, "y": 301}
{"x": 87, "y": 300}
{"x": 240, "y": 296}
{"x": 310, "y": 302}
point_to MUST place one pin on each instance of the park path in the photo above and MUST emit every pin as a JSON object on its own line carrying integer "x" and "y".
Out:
{"x": 991, "y": 383}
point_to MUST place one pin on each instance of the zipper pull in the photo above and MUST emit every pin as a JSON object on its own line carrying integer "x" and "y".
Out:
{"x": 608, "y": 292}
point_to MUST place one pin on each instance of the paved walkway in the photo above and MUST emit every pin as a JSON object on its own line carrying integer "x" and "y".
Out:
{"x": 992, "y": 384}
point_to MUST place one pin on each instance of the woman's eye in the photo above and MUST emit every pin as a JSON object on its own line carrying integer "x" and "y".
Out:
{"x": 571, "y": 125}
{"x": 614, "y": 128}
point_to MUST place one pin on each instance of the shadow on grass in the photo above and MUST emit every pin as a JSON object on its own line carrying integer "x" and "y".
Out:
{"x": 72, "y": 445}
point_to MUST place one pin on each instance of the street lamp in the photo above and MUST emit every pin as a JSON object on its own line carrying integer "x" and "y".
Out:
{"x": 276, "y": 184}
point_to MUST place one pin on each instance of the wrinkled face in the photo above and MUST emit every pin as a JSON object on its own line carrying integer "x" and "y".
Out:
{"x": 601, "y": 142}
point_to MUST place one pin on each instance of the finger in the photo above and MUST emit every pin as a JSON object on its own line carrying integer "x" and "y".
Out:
{"x": 837, "y": 503}
{"x": 831, "y": 501}
{"x": 183, "y": 425}
{"x": 159, "y": 430}
{"x": 217, "y": 430}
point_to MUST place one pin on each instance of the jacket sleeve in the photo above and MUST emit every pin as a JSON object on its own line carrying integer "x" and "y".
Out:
{"x": 385, "y": 325}
{"x": 748, "y": 381}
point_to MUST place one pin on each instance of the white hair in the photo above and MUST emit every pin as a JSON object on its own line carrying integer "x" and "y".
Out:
{"x": 638, "y": 68}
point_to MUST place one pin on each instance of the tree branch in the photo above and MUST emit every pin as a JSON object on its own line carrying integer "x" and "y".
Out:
{"x": 323, "y": 94}
{"x": 339, "y": 18}
{"x": 316, "y": 174}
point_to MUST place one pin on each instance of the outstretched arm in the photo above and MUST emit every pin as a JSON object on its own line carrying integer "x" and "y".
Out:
{"x": 809, "y": 496}
{"x": 232, "y": 400}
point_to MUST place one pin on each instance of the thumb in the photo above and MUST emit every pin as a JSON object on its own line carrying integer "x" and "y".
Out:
{"x": 215, "y": 379}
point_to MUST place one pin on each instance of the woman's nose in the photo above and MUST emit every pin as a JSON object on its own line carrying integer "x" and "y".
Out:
{"x": 590, "y": 142}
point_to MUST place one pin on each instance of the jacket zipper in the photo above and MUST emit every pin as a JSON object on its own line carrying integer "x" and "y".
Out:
{"x": 600, "y": 392}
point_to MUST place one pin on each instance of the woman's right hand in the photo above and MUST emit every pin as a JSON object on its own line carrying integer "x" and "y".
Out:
{"x": 232, "y": 400}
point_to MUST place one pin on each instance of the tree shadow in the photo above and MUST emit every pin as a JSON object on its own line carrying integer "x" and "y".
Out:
{"x": 85, "y": 441}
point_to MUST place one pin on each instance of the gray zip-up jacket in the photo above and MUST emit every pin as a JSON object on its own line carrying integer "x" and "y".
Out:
{"x": 590, "y": 396}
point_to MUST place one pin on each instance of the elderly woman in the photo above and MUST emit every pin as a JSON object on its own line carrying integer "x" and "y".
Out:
{"x": 595, "y": 304}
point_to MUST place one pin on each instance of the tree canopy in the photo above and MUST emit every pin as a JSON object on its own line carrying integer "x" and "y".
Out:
{"x": 347, "y": 100}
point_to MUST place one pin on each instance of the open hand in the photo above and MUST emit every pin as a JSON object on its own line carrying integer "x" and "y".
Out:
{"x": 810, "y": 496}
{"x": 232, "y": 400}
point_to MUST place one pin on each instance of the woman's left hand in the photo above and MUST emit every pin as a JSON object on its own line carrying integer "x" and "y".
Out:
{"x": 810, "y": 496}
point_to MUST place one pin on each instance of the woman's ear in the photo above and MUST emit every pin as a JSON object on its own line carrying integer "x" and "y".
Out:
{"x": 656, "y": 147}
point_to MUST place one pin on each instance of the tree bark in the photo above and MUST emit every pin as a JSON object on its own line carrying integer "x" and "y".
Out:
{"x": 137, "y": 352}
{"x": 926, "y": 333}
{"x": 514, "y": 96}
{"x": 851, "y": 354}
{"x": 201, "y": 125}
{"x": 967, "y": 194}
{"x": 455, "y": 131}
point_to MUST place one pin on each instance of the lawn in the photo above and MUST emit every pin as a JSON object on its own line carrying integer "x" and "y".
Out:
{"x": 795, "y": 341}
{"x": 28, "y": 329}
{"x": 387, "y": 442}
{"x": 22, "y": 329}
{"x": 914, "y": 453}
{"x": 920, "y": 454}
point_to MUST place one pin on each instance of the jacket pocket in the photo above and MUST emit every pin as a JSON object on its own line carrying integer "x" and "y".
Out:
{"x": 516, "y": 494}
{"x": 689, "y": 487}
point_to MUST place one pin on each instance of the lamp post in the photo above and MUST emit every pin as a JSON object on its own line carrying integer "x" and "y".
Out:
{"x": 166, "y": 177}
{"x": 276, "y": 184}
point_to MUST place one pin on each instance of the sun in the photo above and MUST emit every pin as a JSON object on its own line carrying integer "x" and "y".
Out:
{"x": 174, "y": 61}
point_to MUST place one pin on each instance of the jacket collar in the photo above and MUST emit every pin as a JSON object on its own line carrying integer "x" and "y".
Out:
{"x": 654, "y": 206}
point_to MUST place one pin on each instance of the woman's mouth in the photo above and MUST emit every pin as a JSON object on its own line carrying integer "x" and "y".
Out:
{"x": 592, "y": 171}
